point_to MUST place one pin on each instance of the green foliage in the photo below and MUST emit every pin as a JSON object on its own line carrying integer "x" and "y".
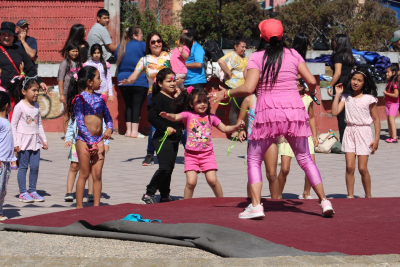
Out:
{"x": 237, "y": 17}
{"x": 169, "y": 33}
{"x": 131, "y": 15}
{"x": 370, "y": 26}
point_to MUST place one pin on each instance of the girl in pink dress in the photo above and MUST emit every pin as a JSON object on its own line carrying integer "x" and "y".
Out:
{"x": 391, "y": 93}
{"x": 360, "y": 112}
{"x": 272, "y": 70}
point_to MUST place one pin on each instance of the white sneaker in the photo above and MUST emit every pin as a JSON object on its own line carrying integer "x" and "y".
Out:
{"x": 327, "y": 210}
{"x": 252, "y": 212}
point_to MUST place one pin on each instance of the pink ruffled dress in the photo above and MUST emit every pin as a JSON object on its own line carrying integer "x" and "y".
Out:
{"x": 280, "y": 110}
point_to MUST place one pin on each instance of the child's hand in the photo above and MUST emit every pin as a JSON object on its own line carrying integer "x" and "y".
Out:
{"x": 374, "y": 146}
{"x": 16, "y": 149}
{"x": 62, "y": 98}
{"x": 107, "y": 134}
{"x": 171, "y": 131}
{"x": 339, "y": 88}
{"x": 45, "y": 146}
{"x": 177, "y": 92}
{"x": 240, "y": 125}
{"x": 315, "y": 141}
{"x": 164, "y": 114}
{"x": 180, "y": 49}
{"x": 242, "y": 136}
{"x": 67, "y": 144}
{"x": 93, "y": 149}
{"x": 21, "y": 67}
{"x": 106, "y": 148}
{"x": 111, "y": 98}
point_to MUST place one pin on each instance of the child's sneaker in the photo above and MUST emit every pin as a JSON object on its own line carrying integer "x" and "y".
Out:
{"x": 36, "y": 197}
{"x": 90, "y": 198}
{"x": 252, "y": 212}
{"x": 166, "y": 199}
{"x": 327, "y": 210}
{"x": 69, "y": 197}
{"x": 26, "y": 198}
{"x": 148, "y": 160}
{"x": 391, "y": 140}
{"x": 148, "y": 200}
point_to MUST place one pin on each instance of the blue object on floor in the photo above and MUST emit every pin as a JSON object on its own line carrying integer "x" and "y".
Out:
{"x": 138, "y": 218}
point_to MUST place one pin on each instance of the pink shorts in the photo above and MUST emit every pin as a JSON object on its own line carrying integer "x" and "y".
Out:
{"x": 391, "y": 109}
{"x": 200, "y": 161}
{"x": 356, "y": 139}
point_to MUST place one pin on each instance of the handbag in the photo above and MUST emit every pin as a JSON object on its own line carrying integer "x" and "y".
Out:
{"x": 326, "y": 141}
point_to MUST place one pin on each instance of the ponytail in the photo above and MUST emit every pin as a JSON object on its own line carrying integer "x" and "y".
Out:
{"x": 126, "y": 36}
{"x": 76, "y": 86}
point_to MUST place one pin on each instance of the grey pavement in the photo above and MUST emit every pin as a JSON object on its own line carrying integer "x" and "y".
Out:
{"x": 125, "y": 179}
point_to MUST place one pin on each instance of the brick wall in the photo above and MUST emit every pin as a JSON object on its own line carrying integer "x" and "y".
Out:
{"x": 50, "y": 21}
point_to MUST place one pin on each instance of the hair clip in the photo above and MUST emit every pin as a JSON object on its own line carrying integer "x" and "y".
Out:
{"x": 189, "y": 89}
{"x": 75, "y": 76}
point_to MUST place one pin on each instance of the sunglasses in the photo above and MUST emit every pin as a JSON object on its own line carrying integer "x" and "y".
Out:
{"x": 156, "y": 41}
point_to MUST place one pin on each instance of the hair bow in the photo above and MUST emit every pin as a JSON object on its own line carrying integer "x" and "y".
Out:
{"x": 76, "y": 76}
{"x": 189, "y": 89}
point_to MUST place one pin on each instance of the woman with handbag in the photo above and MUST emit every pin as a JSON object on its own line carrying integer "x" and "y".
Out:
{"x": 12, "y": 57}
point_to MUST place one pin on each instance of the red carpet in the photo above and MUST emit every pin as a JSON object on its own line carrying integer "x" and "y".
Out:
{"x": 359, "y": 227}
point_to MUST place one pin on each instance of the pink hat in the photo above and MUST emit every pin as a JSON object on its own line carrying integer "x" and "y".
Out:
{"x": 270, "y": 28}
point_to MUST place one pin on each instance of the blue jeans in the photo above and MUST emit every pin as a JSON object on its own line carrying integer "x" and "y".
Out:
{"x": 25, "y": 158}
{"x": 150, "y": 146}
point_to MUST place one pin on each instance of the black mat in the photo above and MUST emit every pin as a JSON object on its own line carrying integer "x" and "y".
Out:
{"x": 219, "y": 240}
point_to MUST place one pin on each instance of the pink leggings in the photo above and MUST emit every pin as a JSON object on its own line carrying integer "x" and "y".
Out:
{"x": 258, "y": 148}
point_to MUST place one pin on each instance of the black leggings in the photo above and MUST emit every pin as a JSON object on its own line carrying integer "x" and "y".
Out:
{"x": 161, "y": 179}
{"x": 134, "y": 97}
{"x": 341, "y": 123}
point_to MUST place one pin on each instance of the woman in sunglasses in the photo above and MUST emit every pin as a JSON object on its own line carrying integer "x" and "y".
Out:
{"x": 157, "y": 57}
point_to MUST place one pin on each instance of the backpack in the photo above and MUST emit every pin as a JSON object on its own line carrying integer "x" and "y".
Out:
{"x": 212, "y": 51}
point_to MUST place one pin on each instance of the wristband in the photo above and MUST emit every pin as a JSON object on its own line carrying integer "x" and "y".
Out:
{"x": 328, "y": 87}
{"x": 23, "y": 73}
{"x": 229, "y": 93}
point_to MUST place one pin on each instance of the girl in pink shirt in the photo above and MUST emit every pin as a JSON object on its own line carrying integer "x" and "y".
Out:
{"x": 358, "y": 139}
{"x": 199, "y": 154}
{"x": 391, "y": 93}
{"x": 179, "y": 57}
{"x": 29, "y": 138}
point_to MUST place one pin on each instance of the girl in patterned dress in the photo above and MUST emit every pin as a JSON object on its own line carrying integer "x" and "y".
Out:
{"x": 358, "y": 139}
{"x": 104, "y": 68}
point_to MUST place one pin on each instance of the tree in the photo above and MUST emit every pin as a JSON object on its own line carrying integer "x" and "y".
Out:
{"x": 239, "y": 17}
{"x": 131, "y": 15}
{"x": 370, "y": 26}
